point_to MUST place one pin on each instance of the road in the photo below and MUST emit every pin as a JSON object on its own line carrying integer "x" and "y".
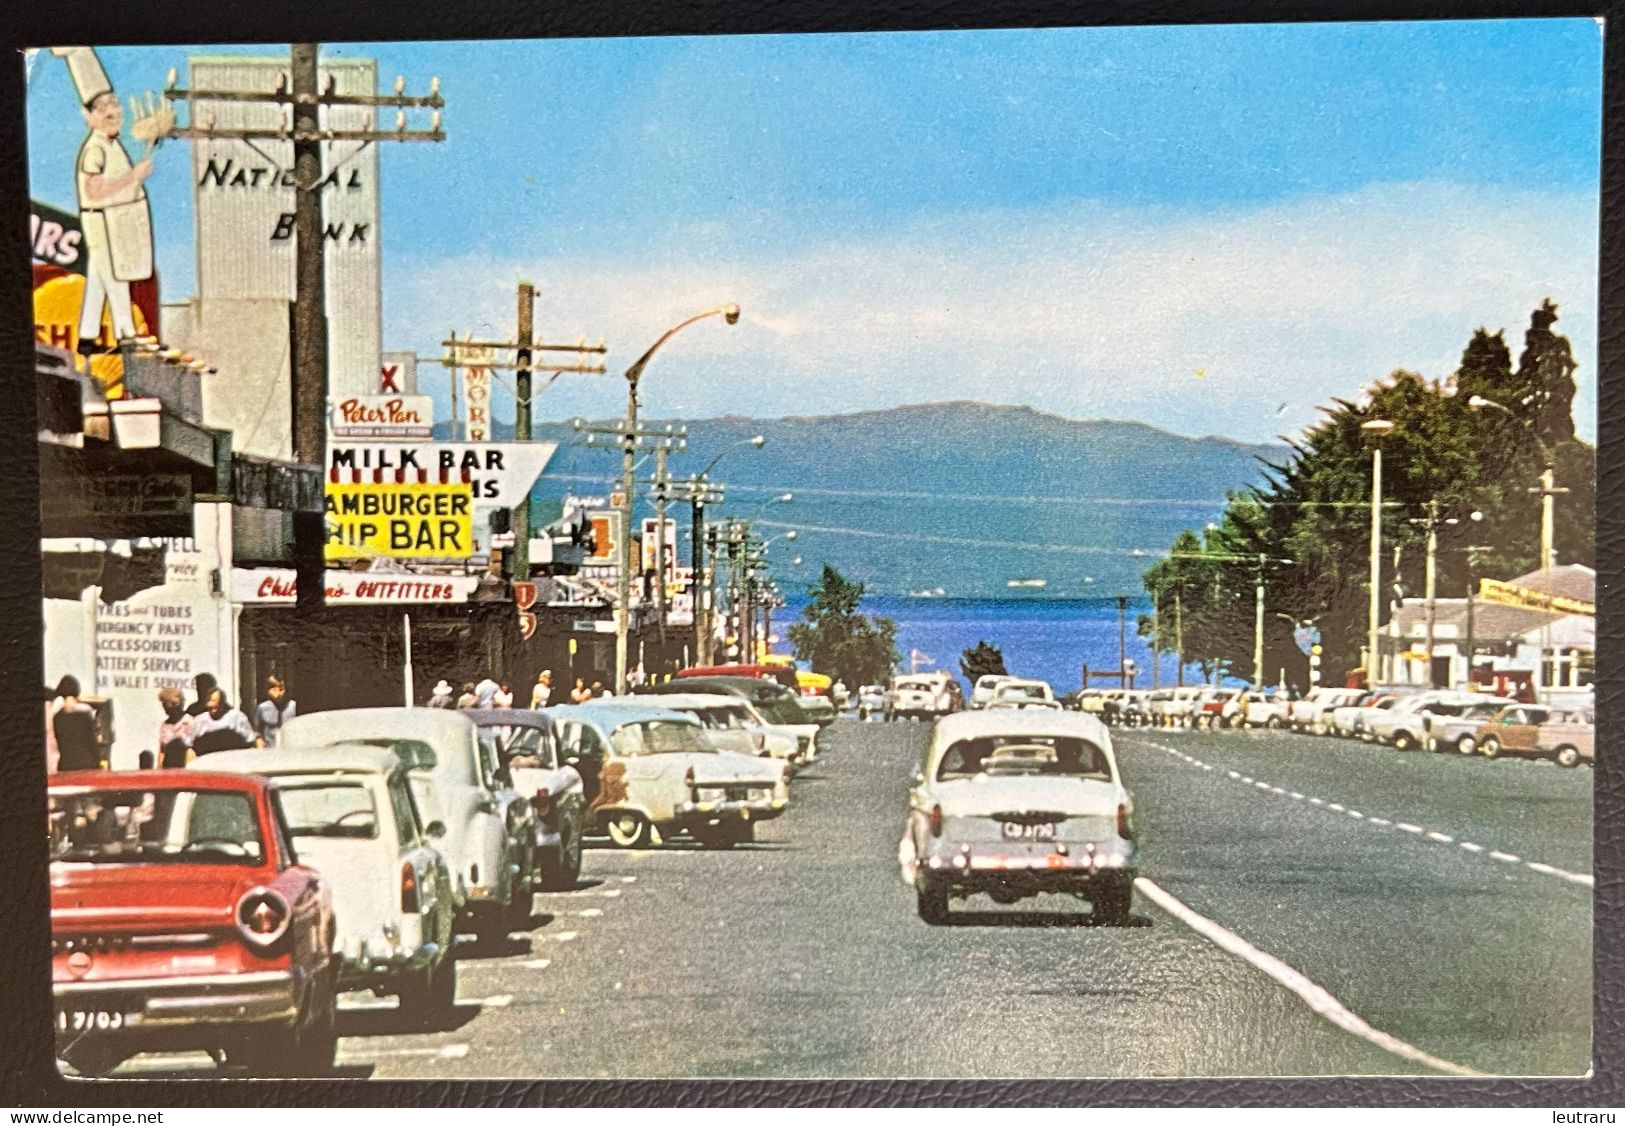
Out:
{"x": 1383, "y": 878}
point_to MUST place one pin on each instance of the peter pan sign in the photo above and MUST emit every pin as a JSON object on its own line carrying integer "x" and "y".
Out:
{"x": 383, "y": 416}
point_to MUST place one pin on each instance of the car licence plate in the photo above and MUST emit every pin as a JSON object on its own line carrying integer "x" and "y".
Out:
{"x": 1043, "y": 831}
{"x": 93, "y": 1020}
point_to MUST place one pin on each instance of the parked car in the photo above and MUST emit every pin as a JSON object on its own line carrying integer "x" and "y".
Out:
{"x": 182, "y": 919}
{"x": 1217, "y": 707}
{"x": 871, "y": 700}
{"x": 490, "y": 839}
{"x": 1134, "y": 708}
{"x": 1310, "y": 714}
{"x": 1460, "y": 732}
{"x": 1015, "y": 803}
{"x": 1567, "y": 736}
{"x": 732, "y": 722}
{"x": 921, "y": 696}
{"x": 982, "y": 691}
{"x": 783, "y": 675}
{"x": 1021, "y": 694}
{"x": 819, "y": 709}
{"x": 772, "y": 701}
{"x": 554, "y": 788}
{"x": 1090, "y": 700}
{"x": 1267, "y": 708}
{"x": 662, "y": 775}
{"x": 350, "y": 814}
{"x": 1348, "y": 719}
{"x": 1405, "y": 725}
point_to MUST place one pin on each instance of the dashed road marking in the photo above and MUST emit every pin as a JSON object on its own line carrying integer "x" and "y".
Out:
{"x": 495, "y": 1001}
{"x": 590, "y": 913}
{"x": 566, "y": 936}
{"x": 1584, "y": 879}
{"x": 1311, "y": 994}
{"x": 537, "y": 963}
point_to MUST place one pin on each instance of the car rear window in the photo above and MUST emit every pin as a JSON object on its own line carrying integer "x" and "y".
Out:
{"x": 180, "y": 826}
{"x": 1052, "y": 756}
{"x": 329, "y": 809}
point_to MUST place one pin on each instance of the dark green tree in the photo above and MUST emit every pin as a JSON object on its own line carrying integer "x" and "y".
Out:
{"x": 1486, "y": 368}
{"x": 1546, "y": 377}
{"x": 837, "y": 639}
{"x": 983, "y": 660}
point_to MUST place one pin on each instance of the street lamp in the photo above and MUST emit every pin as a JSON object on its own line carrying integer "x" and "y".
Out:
{"x": 1547, "y": 489}
{"x": 730, "y": 314}
{"x": 759, "y": 441}
{"x": 1377, "y": 428}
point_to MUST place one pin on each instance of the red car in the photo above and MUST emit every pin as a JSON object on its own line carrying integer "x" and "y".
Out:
{"x": 182, "y": 920}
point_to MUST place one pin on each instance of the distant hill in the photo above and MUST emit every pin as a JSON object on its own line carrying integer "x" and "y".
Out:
{"x": 959, "y": 495}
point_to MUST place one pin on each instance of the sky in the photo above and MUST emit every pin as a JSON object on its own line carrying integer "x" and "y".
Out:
{"x": 1209, "y": 229}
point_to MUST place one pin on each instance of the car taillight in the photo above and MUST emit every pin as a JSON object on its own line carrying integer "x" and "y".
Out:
{"x": 936, "y": 821}
{"x": 758, "y": 740}
{"x": 688, "y": 779}
{"x": 262, "y": 918}
{"x": 1125, "y": 821}
{"x": 542, "y": 802}
{"x": 409, "y": 889}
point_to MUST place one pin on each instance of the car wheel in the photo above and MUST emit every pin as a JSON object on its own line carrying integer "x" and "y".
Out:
{"x": 1490, "y": 747}
{"x": 1466, "y": 745}
{"x": 318, "y": 1044}
{"x": 628, "y": 830}
{"x": 516, "y": 916}
{"x": 1113, "y": 902}
{"x": 565, "y": 873}
{"x": 1273, "y": 722}
{"x": 1403, "y": 741}
{"x": 1567, "y": 756}
{"x": 931, "y": 899}
{"x": 434, "y": 995}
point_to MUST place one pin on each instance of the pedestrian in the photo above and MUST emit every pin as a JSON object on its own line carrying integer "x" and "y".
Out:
{"x": 276, "y": 709}
{"x": 580, "y": 694}
{"x": 541, "y": 696}
{"x": 504, "y": 696}
{"x": 441, "y": 696}
{"x": 635, "y": 677}
{"x": 220, "y": 728}
{"x": 599, "y": 691}
{"x": 75, "y": 728}
{"x": 175, "y": 733}
{"x": 468, "y": 699}
{"x": 486, "y": 692}
{"x": 204, "y": 683}
{"x": 51, "y": 753}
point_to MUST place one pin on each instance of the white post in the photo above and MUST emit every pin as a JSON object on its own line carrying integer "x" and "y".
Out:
{"x": 1373, "y": 610}
{"x": 406, "y": 670}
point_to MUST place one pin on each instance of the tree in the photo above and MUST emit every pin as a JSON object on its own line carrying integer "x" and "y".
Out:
{"x": 1546, "y": 377}
{"x": 984, "y": 660}
{"x": 840, "y": 641}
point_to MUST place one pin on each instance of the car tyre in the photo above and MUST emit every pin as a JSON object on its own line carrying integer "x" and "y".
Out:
{"x": 931, "y": 900}
{"x": 1490, "y": 747}
{"x": 309, "y": 1051}
{"x": 93, "y": 1060}
{"x": 1567, "y": 757}
{"x": 627, "y": 829}
{"x": 1113, "y": 903}
{"x": 1273, "y": 722}
{"x": 1466, "y": 745}
{"x": 565, "y": 873}
{"x": 1403, "y": 741}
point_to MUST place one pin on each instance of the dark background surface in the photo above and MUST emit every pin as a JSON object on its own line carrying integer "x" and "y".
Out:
{"x": 27, "y": 1072}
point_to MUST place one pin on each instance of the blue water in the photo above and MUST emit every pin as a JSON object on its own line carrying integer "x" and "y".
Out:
{"x": 1049, "y": 639}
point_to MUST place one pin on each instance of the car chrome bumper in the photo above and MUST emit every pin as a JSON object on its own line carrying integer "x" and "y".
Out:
{"x": 397, "y": 949}
{"x": 744, "y": 810}
{"x": 260, "y": 997}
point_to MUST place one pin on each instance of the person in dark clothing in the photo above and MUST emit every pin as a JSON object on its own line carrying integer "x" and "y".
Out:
{"x": 205, "y": 683}
{"x": 75, "y": 727}
{"x": 221, "y": 728}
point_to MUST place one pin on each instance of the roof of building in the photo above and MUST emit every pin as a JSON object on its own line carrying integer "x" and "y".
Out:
{"x": 1492, "y": 621}
{"x": 1572, "y": 580}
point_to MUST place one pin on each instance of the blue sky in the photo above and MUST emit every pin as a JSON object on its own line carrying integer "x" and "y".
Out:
{"x": 1083, "y": 220}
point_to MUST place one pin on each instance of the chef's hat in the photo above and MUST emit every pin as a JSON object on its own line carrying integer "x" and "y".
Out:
{"x": 86, "y": 71}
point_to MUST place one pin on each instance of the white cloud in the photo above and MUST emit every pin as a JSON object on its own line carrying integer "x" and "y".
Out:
{"x": 1085, "y": 310}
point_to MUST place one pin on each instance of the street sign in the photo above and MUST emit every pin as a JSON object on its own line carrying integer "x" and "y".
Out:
{"x": 399, "y": 521}
{"x": 1306, "y": 638}
{"x": 1510, "y": 594}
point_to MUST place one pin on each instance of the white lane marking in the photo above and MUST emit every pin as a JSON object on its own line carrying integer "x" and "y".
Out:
{"x": 629, "y": 879}
{"x": 495, "y": 1001}
{"x": 566, "y": 936}
{"x": 537, "y": 963}
{"x": 1318, "y": 1000}
{"x": 448, "y": 1052}
{"x": 590, "y": 912}
{"x": 612, "y": 893}
{"x": 1582, "y": 878}
{"x": 1205, "y": 766}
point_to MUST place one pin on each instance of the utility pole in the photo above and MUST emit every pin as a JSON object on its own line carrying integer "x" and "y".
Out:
{"x": 1258, "y": 626}
{"x": 709, "y": 589}
{"x": 1122, "y": 637}
{"x": 300, "y": 97}
{"x": 520, "y": 520}
{"x": 661, "y": 483}
{"x": 1179, "y": 633}
{"x": 1429, "y": 583}
{"x": 700, "y": 493}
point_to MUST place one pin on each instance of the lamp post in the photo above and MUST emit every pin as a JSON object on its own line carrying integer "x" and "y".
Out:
{"x": 623, "y": 583}
{"x": 1377, "y": 428}
{"x": 701, "y": 492}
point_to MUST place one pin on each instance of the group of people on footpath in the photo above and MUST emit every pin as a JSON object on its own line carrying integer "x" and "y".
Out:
{"x": 488, "y": 693}
{"x": 209, "y": 723}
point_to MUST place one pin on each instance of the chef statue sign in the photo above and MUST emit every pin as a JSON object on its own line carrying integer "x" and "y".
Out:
{"x": 113, "y": 207}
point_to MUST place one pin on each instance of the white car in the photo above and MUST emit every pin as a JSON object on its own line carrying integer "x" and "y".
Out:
{"x": 1016, "y": 803}
{"x": 1405, "y": 726}
{"x": 488, "y": 844}
{"x": 1022, "y": 694}
{"x": 982, "y": 691}
{"x": 1349, "y": 720}
{"x": 1265, "y": 709}
{"x": 919, "y": 696}
{"x": 871, "y": 700}
{"x": 659, "y": 774}
{"x": 733, "y": 724}
{"x": 1310, "y": 713}
{"x": 351, "y": 816}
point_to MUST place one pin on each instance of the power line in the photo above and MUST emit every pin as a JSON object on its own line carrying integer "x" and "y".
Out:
{"x": 966, "y": 541}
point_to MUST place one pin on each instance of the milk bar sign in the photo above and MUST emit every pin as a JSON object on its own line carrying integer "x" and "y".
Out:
{"x": 383, "y": 416}
{"x": 499, "y": 473}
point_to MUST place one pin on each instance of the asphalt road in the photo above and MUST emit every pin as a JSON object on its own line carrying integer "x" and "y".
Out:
{"x": 801, "y": 955}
